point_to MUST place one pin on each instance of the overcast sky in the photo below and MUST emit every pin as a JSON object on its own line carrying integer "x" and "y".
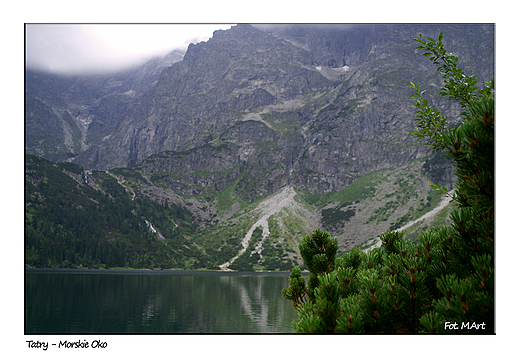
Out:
{"x": 94, "y": 48}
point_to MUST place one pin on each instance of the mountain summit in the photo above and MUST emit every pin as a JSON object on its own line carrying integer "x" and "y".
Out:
{"x": 256, "y": 109}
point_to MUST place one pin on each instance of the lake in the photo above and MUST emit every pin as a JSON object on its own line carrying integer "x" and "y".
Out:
{"x": 129, "y": 301}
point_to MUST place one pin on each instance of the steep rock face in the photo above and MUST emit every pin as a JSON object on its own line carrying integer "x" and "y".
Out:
{"x": 332, "y": 45}
{"x": 66, "y": 116}
{"x": 200, "y": 147}
{"x": 341, "y": 123}
{"x": 254, "y": 157}
{"x": 310, "y": 106}
{"x": 218, "y": 82}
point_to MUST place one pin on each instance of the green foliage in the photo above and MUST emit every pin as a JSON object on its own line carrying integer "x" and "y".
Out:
{"x": 457, "y": 86}
{"x": 71, "y": 224}
{"x": 335, "y": 216}
{"x": 362, "y": 188}
{"x": 297, "y": 290}
{"x": 443, "y": 283}
{"x": 431, "y": 125}
{"x": 318, "y": 251}
{"x": 71, "y": 167}
{"x": 129, "y": 173}
{"x": 245, "y": 261}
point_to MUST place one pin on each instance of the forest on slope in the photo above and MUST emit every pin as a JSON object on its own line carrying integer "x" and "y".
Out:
{"x": 177, "y": 156}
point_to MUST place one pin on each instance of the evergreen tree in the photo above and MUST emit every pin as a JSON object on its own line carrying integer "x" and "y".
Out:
{"x": 445, "y": 283}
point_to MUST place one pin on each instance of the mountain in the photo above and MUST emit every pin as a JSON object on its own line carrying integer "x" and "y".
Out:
{"x": 67, "y": 115}
{"x": 75, "y": 219}
{"x": 257, "y": 111}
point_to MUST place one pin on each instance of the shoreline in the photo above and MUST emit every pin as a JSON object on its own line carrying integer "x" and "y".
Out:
{"x": 40, "y": 270}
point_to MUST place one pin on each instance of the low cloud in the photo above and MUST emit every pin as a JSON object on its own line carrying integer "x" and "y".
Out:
{"x": 88, "y": 49}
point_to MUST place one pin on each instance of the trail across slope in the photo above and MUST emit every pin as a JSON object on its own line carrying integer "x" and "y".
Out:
{"x": 444, "y": 201}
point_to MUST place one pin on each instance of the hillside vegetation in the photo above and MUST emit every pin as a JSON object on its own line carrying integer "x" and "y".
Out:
{"x": 225, "y": 156}
{"x": 442, "y": 283}
{"x": 123, "y": 218}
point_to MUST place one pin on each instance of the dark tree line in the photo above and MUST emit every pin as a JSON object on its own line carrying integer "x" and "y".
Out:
{"x": 71, "y": 224}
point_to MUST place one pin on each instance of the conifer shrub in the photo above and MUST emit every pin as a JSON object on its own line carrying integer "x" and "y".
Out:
{"x": 445, "y": 282}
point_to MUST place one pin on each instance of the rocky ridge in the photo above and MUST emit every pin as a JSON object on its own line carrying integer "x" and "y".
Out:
{"x": 323, "y": 110}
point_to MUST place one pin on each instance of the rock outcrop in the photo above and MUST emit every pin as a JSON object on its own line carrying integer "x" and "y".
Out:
{"x": 257, "y": 107}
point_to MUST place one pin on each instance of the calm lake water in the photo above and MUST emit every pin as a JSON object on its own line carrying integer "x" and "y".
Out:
{"x": 109, "y": 301}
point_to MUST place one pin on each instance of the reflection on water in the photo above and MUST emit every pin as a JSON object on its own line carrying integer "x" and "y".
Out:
{"x": 79, "y": 302}
{"x": 252, "y": 300}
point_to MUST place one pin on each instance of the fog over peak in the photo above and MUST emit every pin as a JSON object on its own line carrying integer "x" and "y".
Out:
{"x": 74, "y": 49}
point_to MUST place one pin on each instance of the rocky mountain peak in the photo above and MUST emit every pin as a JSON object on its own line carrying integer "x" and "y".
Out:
{"x": 195, "y": 143}
{"x": 330, "y": 101}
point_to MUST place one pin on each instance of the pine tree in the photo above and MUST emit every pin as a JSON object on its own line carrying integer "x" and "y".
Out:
{"x": 445, "y": 283}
